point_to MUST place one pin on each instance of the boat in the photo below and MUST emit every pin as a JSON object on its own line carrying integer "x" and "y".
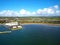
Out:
{"x": 3, "y": 32}
{"x": 16, "y": 27}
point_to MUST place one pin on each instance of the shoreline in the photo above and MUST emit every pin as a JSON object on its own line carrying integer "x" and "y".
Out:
{"x": 50, "y": 24}
{"x": 42, "y": 24}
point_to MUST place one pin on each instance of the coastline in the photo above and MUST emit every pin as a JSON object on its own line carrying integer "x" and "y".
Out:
{"x": 50, "y": 24}
{"x": 42, "y": 24}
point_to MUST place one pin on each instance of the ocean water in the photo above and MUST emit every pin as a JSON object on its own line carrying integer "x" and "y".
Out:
{"x": 32, "y": 34}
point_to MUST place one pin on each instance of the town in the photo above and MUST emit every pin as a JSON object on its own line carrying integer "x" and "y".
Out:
{"x": 22, "y": 20}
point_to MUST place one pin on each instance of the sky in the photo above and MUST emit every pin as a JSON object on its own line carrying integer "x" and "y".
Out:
{"x": 29, "y": 7}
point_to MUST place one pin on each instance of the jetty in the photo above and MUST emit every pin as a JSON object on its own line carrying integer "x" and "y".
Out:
{"x": 3, "y": 32}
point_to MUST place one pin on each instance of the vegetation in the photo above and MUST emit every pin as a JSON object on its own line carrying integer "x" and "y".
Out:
{"x": 53, "y": 20}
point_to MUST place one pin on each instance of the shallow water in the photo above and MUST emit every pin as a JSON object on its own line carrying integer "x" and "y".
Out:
{"x": 32, "y": 34}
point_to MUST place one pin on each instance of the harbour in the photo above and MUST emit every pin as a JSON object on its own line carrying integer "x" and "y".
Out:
{"x": 32, "y": 34}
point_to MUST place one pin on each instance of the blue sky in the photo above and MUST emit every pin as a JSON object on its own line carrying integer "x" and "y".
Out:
{"x": 30, "y": 6}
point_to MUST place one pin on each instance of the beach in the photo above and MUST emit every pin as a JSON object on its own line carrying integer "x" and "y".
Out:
{"x": 42, "y": 24}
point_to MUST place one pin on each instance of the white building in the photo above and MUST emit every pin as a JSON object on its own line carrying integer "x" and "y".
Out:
{"x": 12, "y": 23}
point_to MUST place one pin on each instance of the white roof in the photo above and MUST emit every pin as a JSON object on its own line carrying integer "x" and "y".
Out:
{"x": 12, "y": 23}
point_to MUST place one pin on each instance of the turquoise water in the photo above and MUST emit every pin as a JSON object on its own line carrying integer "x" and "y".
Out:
{"x": 32, "y": 34}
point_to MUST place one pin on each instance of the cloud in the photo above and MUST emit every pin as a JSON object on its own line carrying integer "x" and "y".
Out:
{"x": 45, "y": 11}
{"x": 33, "y": 13}
{"x": 39, "y": 11}
{"x": 22, "y": 11}
{"x": 8, "y": 13}
{"x": 50, "y": 11}
{"x": 56, "y": 6}
{"x": 28, "y": 13}
{"x": 57, "y": 12}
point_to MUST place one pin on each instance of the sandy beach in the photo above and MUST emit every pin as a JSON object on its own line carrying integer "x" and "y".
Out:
{"x": 42, "y": 24}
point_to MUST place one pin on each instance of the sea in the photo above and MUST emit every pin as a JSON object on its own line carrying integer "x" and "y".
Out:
{"x": 31, "y": 34}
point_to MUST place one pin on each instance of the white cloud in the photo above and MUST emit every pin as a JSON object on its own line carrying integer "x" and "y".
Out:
{"x": 8, "y": 13}
{"x": 50, "y": 11}
{"x": 22, "y": 11}
{"x": 39, "y": 11}
{"x": 56, "y": 6}
{"x": 45, "y": 9}
{"x": 33, "y": 13}
{"x": 58, "y": 11}
{"x": 28, "y": 13}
